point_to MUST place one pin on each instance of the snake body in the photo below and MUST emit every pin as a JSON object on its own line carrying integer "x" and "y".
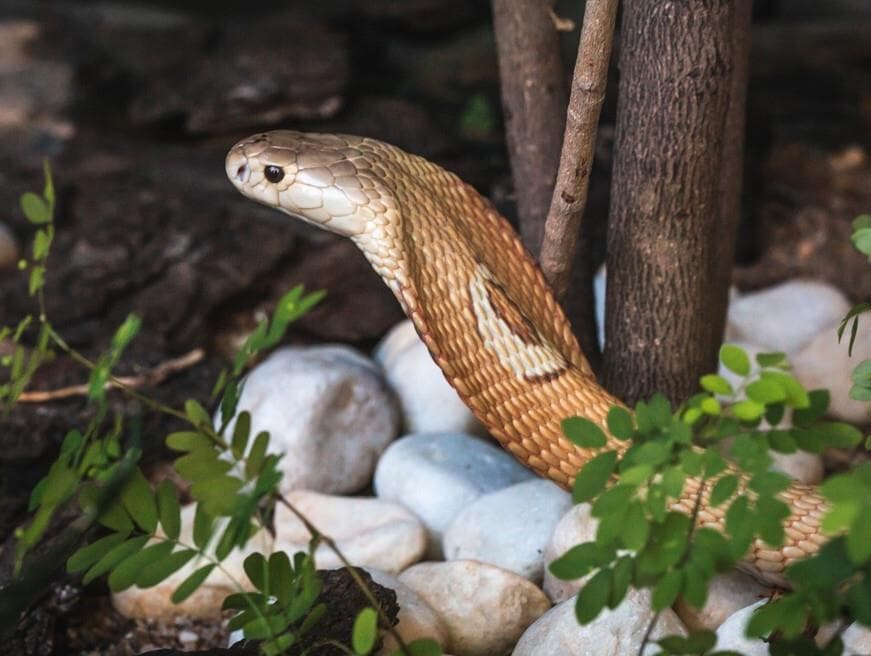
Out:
{"x": 477, "y": 300}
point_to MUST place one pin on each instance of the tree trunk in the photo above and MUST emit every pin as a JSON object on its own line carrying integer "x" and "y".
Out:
{"x": 732, "y": 173}
{"x": 533, "y": 103}
{"x": 663, "y": 253}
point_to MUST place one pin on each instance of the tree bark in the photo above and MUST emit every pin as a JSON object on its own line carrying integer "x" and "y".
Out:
{"x": 533, "y": 103}
{"x": 675, "y": 74}
{"x": 732, "y": 173}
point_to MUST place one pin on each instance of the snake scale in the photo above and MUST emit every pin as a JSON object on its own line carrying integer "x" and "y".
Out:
{"x": 477, "y": 299}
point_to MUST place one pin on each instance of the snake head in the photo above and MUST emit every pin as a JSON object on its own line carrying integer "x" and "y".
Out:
{"x": 325, "y": 180}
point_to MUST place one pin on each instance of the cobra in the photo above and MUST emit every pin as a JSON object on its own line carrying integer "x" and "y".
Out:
{"x": 477, "y": 300}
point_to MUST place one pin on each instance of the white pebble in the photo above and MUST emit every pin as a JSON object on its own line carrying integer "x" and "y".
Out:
{"x": 613, "y": 633}
{"x": 369, "y": 532}
{"x": 186, "y": 635}
{"x": 416, "y": 618}
{"x": 509, "y": 528}
{"x": 436, "y": 475}
{"x": 428, "y": 402}
{"x": 484, "y": 608}
{"x": 825, "y": 363}
{"x": 787, "y": 316}
{"x": 575, "y": 527}
{"x": 328, "y": 410}
{"x": 731, "y": 633}
{"x": 727, "y": 593}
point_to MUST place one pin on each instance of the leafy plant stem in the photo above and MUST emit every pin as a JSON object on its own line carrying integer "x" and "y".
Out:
{"x": 693, "y": 519}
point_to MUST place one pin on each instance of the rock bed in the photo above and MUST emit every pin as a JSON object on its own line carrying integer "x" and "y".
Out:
{"x": 458, "y": 528}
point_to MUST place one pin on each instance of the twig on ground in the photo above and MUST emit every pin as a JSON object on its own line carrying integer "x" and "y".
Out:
{"x": 579, "y": 144}
{"x": 151, "y": 377}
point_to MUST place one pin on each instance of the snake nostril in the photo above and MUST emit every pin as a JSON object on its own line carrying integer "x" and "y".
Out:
{"x": 242, "y": 172}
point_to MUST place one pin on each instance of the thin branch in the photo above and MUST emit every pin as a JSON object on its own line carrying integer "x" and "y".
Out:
{"x": 150, "y": 378}
{"x": 579, "y": 144}
{"x": 533, "y": 102}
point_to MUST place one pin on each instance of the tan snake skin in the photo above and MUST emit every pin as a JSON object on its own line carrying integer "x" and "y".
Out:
{"x": 476, "y": 297}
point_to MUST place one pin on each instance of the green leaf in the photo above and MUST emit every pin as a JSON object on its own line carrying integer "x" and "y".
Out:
{"x": 197, "y": 414}
{"x": 770, "y": 513}
{"x": 191, "y": 583}
{"x": 622, "y": 577}
{"x": 796, "y": 394}
{"x": 126, "y": 332}
{"x": 666, "y": 590}
{"x": 770, "y": 359}
{"x": 35, "y": 209}
{"x": 201, "y": 464}
{"x": 766, "y": 391}
{"x": 87, "y": 556}
{"x": 168, "y": 509}
{"x": 593, "y": 476}
{"x": 818, "y": 404}
{"x": 204, "y": 525}
{"x": 840, "y": 435}
{"x": 420, "y": 647}
{"x": 217, "y": 494}
{"x": 859, "y": 537}
{"x": 188, "y": 441}
{"x": 735, "y": 359}
{"x": 161, "y": 569}
{"x": 710, "y": 406}
{"x": 769, "y": 483}
{"x": 580, "y": 560}
{"x": 698, "y": 642}
{"x": 257, "y": 570}
{"x": 125, "y": 573}
{"x": 114, "y": 556}
{"x": 257, "y": 455}
{"x": 723, "y": 489}
{"x": 365, "y": 631}
{"x": 716, "y": 385}
{"x": 636, "y": 527}
{"x": 748, "y": 410}
{"x": 583, "y": 432}
{"x": 620, "y": 423}
{"x": 138, "y": 500}
{"x": 241, "y": 432}
{"x": 281, "y": 577}
{"x": 593, "y": 597}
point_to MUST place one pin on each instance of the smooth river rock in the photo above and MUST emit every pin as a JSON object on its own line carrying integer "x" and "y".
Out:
{"x": 428, "y": 402}
{"x": 369, "y": 532}
{"x": 786, "y": 317}
{"x": 509, "y": 528}
{"x": 825, "y": 363}
{"x": 613, "y": 633}
{"x": 436, "y": 475}
{"x": 328, "y": 410}
{"x": 730, "y": 634}
{"x": 728, "y": 593}
{"x": 575, "y": 527}
{"x": 484, "y": 608}
{"x": 417, "y": 619}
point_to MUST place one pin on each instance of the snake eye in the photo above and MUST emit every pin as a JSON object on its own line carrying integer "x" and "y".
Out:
{"x": 273, "y": 173}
